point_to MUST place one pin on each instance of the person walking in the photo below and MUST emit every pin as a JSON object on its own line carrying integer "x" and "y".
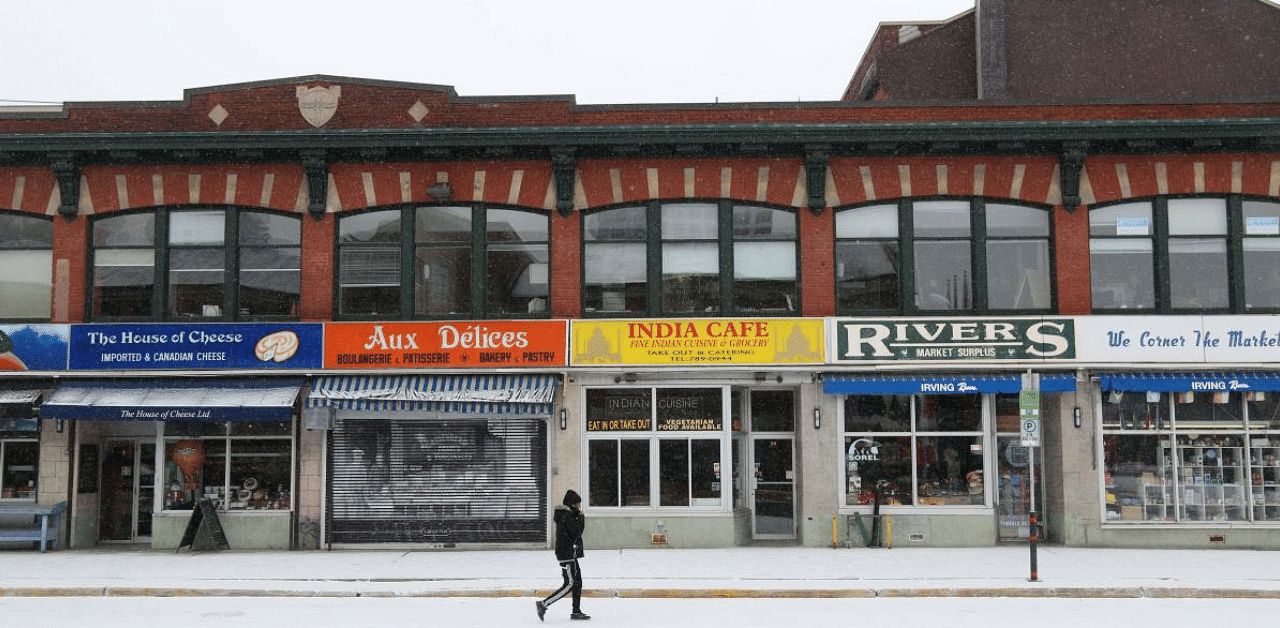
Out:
{"x": 570, "y": 522}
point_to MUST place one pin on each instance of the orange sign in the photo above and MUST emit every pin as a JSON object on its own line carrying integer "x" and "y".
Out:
{"x": 486, "y": 344}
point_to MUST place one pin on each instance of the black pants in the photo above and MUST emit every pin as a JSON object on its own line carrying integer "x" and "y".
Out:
{"x": 572, "y": 573}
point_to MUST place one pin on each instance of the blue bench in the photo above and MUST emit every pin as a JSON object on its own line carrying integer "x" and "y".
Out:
{"x": 42, "y": 525}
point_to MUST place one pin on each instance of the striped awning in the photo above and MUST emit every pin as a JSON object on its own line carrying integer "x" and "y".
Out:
{"x": 1190, "y": 381}
{"x": 466, "y": 394}
{"x": 843, "y": 384}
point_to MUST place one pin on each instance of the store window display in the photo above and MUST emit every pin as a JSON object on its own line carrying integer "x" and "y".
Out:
{"x": 239, "y": 466}
{"x": 1189, "y": 457}
{"x": 923, "y": 450}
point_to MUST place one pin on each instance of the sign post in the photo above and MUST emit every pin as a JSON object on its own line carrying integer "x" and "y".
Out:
{"x": 1029, "y": 415}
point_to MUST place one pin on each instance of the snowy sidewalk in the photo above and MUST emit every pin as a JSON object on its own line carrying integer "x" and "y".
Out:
{"x": 733, "y": 572}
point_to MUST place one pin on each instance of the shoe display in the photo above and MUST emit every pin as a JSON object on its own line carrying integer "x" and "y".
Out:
{"x": 542, "y": 609}
{"x": 579, "y": 615}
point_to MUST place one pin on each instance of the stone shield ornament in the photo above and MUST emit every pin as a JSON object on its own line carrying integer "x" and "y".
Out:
{"x": 318, "y": 104}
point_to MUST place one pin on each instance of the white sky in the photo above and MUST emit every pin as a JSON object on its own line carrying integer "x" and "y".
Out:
{"x": 601, "y": 51}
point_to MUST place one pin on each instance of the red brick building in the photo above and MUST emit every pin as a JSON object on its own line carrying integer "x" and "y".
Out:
{"x": 396, "y": 314}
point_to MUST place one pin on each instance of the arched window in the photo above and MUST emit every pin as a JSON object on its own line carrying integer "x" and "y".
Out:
{"x": 444, "y": 262}
{"x": 968, "y": 255}
{"x": 210, "y": 262}
{"x": 690, "y": 259}
{"x": 26, "y": 267}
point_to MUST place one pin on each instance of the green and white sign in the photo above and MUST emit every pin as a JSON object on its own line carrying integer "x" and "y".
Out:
{"x": 1029, "y": 417}
{"x": 953, "y": 339}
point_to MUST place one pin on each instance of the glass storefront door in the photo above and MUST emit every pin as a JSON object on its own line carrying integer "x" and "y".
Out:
{"x": 773, "y": 494}
{"x": 127, "y": 491}
{"x": 1013, "y": 500}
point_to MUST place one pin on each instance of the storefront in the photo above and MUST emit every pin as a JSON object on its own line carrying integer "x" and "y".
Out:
{"x": 940, "y": 447}
{"x": 27, "y": 353}
{"x": 687, "y": 433}
{"x": 20, "y": 438}
{"x": 435, "y": 459}
{"x": 931, "y": 446}
{"x": 150, "y": 449}
{"x": 1191, "y": 447}
{"x": 159, "y": 416}
{"x": 417, "y": 452}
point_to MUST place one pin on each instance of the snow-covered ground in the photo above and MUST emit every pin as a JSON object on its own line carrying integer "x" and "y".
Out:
{"x": 247, "y": 612}
{"x": 671, "y": 588}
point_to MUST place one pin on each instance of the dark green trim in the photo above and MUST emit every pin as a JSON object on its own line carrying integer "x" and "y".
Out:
{"x": 1061, "y": 138}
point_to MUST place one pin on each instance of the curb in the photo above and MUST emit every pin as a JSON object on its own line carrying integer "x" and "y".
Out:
{"x": 923, "y": 592}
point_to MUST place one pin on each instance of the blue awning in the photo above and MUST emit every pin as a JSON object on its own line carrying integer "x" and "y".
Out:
{"x": 466, "y": 394}
{"x": 839, "y": 384}
{"x": 1190, "y": 381}
{"x": 231, "y": 399}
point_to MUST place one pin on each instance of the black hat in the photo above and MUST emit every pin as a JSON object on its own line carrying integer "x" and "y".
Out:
{"x": 571, "y": 498}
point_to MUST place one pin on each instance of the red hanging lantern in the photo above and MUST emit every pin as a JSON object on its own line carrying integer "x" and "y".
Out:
{"x": 189, "y": 456}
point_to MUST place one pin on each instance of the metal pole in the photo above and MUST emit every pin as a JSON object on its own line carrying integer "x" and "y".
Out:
{"x": 1033, "y": 518}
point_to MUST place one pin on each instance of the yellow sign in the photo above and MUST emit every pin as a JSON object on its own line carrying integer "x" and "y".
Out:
{"x": 703, "y": 341}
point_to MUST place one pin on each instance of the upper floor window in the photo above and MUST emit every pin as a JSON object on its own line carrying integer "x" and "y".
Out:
{"x": 690, "y": 259}
{"x": 1185, "y": 255}
{"x": 1260, "y": 247}
{"x": 444, "y": 262}
{"x": 212, "y": 263}
{"x": 960, "y": 255}
{"x": 26, "y": 266}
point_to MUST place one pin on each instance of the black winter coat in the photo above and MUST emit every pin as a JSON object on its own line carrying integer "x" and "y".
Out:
{"x": 569, "y": 527}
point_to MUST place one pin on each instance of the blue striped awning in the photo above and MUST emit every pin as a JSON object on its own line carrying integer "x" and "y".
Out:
{"x": 839, "y": 384}
{"x": 1190, "y": 381}
{"x": 469, "y": 394}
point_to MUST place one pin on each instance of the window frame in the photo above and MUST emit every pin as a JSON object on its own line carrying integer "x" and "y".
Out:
{"x": 914, "y": 437}
{"x": 656, "y": 441}
{"x": 1236, "y": 279}
{"x": 979, "y": 289}
{"x": 1153, "y": 480}
{"x": 8, "y": 247}
{"x": 228, "y": 435}
{"x": 480, "y": 245}
{"x": 655, "y": 243}
{"x": 162, "y": 249}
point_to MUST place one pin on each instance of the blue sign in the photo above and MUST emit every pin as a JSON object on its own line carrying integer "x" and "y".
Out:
{"x": 33, "y": 347}
{"x": 197, "y": 346}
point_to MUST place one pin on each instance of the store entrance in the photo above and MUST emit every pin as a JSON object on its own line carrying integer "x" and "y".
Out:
{"x": 773, "y": 463}
{"x": 127, "y": 493}
{"x": 773, "y": 496}
{"x": 1013, "y": 499}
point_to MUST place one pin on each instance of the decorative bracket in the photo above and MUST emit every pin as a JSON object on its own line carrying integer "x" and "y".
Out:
{"x": 68, "y": 175}
{"x": 816, "y": 161}
{"x": 316, "y": 168}
{"x": 563, "y": 168}
{"x": 1071, "y": 167}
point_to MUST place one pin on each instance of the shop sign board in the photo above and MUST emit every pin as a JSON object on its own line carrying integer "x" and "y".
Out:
{"x": 694, "y": 342}
{"x": 429, "y": 345}
{"x": 632, "y": 409}
{"x": 116, "y": 347}
{"x": 619, "y": 409}
{"x": 1179, "y": 339}
{"x": 976, "y": 339}
{"x": 34, "y": 347}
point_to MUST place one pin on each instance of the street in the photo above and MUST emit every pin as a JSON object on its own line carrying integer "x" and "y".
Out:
{"x": 312, "y": 612}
